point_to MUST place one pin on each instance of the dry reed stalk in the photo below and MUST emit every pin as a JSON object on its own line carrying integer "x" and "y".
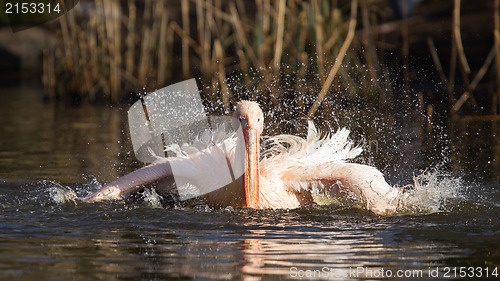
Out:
{"x": 103, "y": 59}
{"x": 319, "y": 30}
{"x": 83, "y": 64}
{"x": 279, "y": 36}
{"x": 117, "y": 58}
{"x": 240, "y": 34}
{"x": 272, "y": 74}
{"x": 185, "y": 38}
{"x": 148, "y": 45}
{"x": 451, "y": 78}
{"x": 130, "y": 41}
{"x": 290, "y": 35}
{"x": 170, "y": 43}
{"x": 225, "y": 93}
{"x": 406, "y": 48}
{"x": 241, "y": 7}
{"x": 480, "y": 74}
{"x": 112, "y": 52}
{"x": 263, "y": 48}
{"x": 153, "y": 43}
{"x": 147, "y": 13}
{"x": 243, "y": 65}
{"x": 218, "y": 20}
{"x": 74, "y": 30}
{"x": 370, "y": 53}
{"x": 458, "y": 37}
{"x": 200, "y": 27}
{"x": 108, "y": 25}
{"x": 144, "y": 54}
{"x": 163, "y": 46}
{"x": 209, "y": 26}
{"x": 281, "y": 27}
{"x": 144, "y": 57}
{"x": 100, "y": 33}
{"x": 218, "y": 16}
{"x": 63, "y": 21}
{"x": 338, "y": 61}
{"x": 93, "y": 53}
{"x": 335, "y": 33}
{"x": 496, "y": 36}
{"x": 69, "y": 30}
{"x": 203, "y": 14}
{"x": 303, "y": 28}
{"x": 436, "y": 60}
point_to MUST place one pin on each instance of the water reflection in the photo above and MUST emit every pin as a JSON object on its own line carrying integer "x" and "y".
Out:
{"x": 326, "y": 254}
{"x": 40, "y": 141}
{"x": 115, "y": 241}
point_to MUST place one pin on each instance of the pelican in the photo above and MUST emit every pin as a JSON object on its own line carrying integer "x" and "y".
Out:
{"x": 291, "y": 173}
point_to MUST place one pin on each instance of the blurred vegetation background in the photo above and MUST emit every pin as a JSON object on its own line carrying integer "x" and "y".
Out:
{"x": 306, "y": 55}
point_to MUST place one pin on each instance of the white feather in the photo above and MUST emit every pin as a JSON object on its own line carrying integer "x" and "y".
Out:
{"x": 287, "y": 150}
{"x": 205, "y": 141}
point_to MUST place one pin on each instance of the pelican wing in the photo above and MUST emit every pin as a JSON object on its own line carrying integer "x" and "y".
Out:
{"x": 320, "y": 164}
{"x": 366, "y": 182}
{"x": 314, "y": 150}
{"x": 199, "y": 169}
{"x": 124, "y": 186}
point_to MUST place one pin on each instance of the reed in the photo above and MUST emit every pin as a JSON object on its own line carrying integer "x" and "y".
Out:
{"x": 124, "y": 47}
{"x": 496, "y": 36}
{"x": 269, "y": 51}
{"x": 470, "y": 87}
{"x": 338, "y": 61}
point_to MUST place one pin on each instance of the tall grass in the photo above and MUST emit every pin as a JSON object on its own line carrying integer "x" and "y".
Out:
{"x": 118, "y": 49}
{"x": 278, "y": 52}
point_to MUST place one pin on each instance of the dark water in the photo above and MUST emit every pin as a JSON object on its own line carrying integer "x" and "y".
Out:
{"x": 456, "y": 233}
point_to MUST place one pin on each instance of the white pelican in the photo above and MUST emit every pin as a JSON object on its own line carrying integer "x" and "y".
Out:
{"x": 292, "y": 170}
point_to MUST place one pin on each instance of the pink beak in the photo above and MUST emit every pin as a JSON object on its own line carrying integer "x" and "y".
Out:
{"x": 251, "y": 168}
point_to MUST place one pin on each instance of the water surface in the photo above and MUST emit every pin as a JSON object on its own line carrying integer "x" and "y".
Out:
{"x": 43, "y": 145}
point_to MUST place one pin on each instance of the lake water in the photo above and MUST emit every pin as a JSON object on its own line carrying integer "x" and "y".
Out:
{"x": 455, "y": 233}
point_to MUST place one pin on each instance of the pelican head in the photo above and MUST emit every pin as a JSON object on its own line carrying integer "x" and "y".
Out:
{"x": 249, "y": 116}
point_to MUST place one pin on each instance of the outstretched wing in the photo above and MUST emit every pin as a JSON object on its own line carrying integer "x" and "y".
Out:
{"x": 124, "y": 186}
{"x": 366, "y": 182}
{"x": 316, "y": 164}
{"x": 195, "y": 174}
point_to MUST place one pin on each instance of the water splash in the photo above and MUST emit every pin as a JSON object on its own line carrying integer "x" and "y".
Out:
{"x": 432, "y": 191}
{"x": 60, "y": 193}
{"x": 151, "y": 198}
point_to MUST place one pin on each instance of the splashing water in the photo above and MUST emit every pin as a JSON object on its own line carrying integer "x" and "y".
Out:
{"x": 151, "y": 198}
{"x": 61, "y": 194}
{"x": 432, "y": 191}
